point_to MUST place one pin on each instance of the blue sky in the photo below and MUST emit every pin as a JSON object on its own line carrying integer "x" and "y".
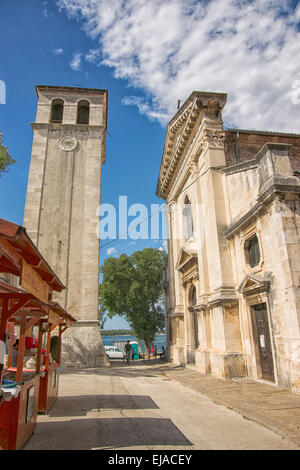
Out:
{"x": 134, "y": 149}
{"x": 148, "y": 55}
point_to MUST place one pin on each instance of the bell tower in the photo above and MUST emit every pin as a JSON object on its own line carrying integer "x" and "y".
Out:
{"x": 62, "y": 207}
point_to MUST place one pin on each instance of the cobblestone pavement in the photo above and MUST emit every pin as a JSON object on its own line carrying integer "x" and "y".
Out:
{"x": 155, "y": 406}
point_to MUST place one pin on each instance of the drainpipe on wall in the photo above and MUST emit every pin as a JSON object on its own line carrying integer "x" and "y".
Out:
{"x": 236, "y": 147}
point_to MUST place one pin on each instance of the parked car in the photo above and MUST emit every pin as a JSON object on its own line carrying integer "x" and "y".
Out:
{"x": 114, "y": 353}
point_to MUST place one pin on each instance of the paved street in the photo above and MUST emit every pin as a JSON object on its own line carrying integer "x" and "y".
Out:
{"x": 141, "y": 407}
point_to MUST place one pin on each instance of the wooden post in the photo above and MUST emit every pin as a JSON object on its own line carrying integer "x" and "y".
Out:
{"x": 39, "y": 352}
{"x": 3, "y": 323}
{"x": 59, "y": 344}
{"x": 21, "y": 350}
{"x": 48, "y": 351}
{"x": 11, "y": 342}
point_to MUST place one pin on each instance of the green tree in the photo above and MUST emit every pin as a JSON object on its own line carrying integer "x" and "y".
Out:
{"x": 132, "y": 287}
{"x": 102, "y": 315}
{"x": 5, "y": 158}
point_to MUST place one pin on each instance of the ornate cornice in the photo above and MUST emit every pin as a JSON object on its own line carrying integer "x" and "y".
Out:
{"x": 264, "y": 200}
{"x": 190, "y": 278}
{"x": 253, "y": 285}
{"x": 186, "y": 260}
{"x": 67, "y": 126}
{"x": 178, "y": 312}
{"x": 181, "y": 130}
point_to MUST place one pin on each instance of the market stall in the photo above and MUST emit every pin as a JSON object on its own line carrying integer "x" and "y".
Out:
{"x": 58, "y": 320}
{"x": 28, "y": 384}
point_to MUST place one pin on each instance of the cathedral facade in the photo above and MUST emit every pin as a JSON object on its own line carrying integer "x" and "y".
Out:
{"x": 232, "y": 280}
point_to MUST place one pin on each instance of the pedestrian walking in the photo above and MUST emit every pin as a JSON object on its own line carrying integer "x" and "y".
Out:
{"x": 163, "y": 353}
{"x": 155, "y": 351}
{"x": 14, "y": 354}
{"x": 128, "y": 349}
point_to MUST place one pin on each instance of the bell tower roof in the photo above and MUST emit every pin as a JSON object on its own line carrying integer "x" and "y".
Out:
{"x": 68, "y": 89}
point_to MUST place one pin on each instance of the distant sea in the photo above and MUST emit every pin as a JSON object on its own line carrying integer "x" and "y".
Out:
{"x": 159, "y": 341}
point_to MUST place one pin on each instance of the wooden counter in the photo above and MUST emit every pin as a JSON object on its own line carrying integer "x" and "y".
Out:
{"x": 48, "y": 388}
{"x": 19, "y": 415}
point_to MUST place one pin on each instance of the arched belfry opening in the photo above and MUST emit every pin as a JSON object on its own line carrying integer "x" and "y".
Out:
{"x": 83, "y": 112}
{"x": 57, "y": 111}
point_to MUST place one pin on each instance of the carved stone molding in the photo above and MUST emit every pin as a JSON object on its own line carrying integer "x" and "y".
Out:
{"x": 224, "y": 295}
{"x": 182, "y": 128}
{"x": 178, "y": 312}
{"x": 212, "y": 138}
{"x": 193, "y": 166}
{"x": 252, "y": 285}
{"x": 68, "y": 143}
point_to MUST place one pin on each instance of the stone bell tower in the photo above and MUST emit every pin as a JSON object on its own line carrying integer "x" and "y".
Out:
{"x": 62, "y": 207}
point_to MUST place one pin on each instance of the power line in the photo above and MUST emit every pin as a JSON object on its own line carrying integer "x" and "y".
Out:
{"x": 151, "y": 215}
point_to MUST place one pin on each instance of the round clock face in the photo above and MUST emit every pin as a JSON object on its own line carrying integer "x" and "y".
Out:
{"x": 68, "y": 143}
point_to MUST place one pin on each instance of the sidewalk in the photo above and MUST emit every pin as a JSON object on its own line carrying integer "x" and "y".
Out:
{"x": 274, "y": 407}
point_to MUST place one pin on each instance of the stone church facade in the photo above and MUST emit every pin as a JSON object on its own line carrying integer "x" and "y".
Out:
{"x": 232, "y": 280}
{"x": 62, "y": 206}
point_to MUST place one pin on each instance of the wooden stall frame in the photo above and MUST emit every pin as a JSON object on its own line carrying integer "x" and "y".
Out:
{"x": 27, "y": 306}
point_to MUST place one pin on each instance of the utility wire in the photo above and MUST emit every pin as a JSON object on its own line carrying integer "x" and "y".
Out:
{"x": 151, "y": 215}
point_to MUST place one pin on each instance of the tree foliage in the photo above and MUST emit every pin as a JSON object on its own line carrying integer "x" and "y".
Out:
{"x": 102, "y": 315}
{"x": 5, "y": 158}
{"x": 132, "y": 287}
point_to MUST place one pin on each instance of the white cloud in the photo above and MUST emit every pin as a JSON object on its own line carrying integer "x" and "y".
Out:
{"x": 164, "y": 246}
{"x": 111, "y": 251}
{"x": 75, "y": 64}
{"x": 93, "y": 55}
{"x": 168, "y": 48}
{"x": 45, "y": 9}
{"x": 58, "y": 51}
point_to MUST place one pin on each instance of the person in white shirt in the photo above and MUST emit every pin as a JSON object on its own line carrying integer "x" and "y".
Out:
{"x": 2, "y": 353}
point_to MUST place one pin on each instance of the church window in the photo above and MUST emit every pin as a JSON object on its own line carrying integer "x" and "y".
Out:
{"x": 188, "y": 219}
{"x": 253, "y": 251}
{"x": 192, "y": 296}
{"x": 83, "y": 112}
{"x": 57, "y": 109}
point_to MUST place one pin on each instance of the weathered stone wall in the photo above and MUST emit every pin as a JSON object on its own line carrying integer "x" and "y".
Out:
{"x": 257, "y": 195}
{"x": 276, "y": 224}
{"x": 250, "y": 142}
{"x": 62, "y": 208}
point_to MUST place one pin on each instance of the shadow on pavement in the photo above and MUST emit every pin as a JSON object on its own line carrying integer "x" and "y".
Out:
{"x": 81, "y": 405}
{"x": 151, "y": 368}
{"x": 99, "y": 433}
